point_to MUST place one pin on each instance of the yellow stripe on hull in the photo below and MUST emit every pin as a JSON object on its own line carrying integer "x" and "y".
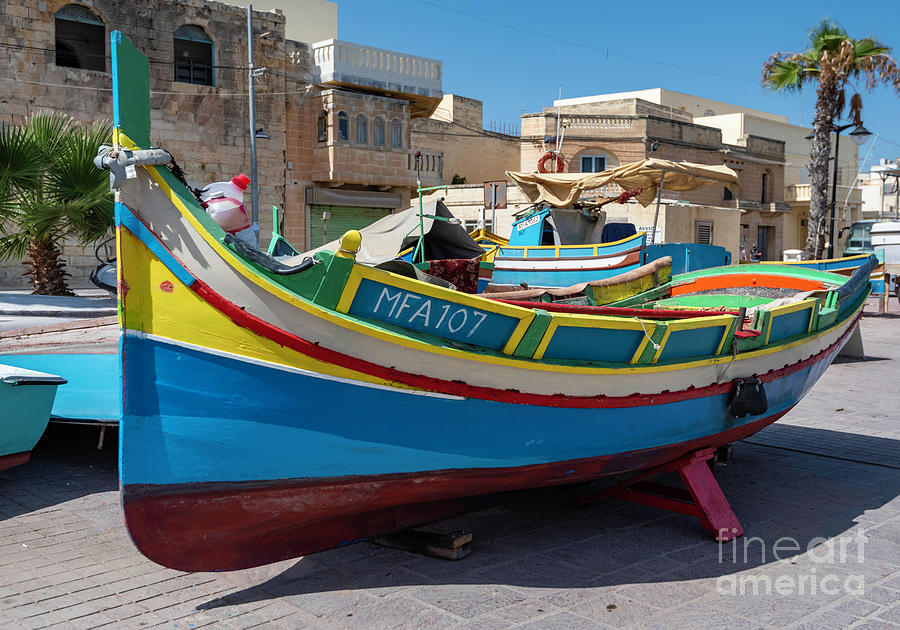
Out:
{"x": 158, "y": 303}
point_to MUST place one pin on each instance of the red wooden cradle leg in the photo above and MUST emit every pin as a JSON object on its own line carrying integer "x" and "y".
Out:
{"x": 703, "y": 498}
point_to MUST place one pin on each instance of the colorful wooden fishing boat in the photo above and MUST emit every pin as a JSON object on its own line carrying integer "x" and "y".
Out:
{"x": 539, "y": 265}
{"x": 845, "y": 265}
{"x": 85, "y": 353}
{"x": 26, "y": 397}
{"x": 272, "y": 411}
{"x": 562, "y": 241}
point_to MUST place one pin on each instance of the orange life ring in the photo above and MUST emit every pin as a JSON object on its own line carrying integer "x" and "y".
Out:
{"x": 549, "y": 155}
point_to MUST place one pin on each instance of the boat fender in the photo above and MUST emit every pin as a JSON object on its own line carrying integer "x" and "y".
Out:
{"x": 748, "y": 398}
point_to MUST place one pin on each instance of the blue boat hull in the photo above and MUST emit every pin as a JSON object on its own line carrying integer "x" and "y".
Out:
{"x": 232, "y": 428}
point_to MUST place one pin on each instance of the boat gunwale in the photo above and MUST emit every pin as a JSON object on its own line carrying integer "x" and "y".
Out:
{"x": 422, "y": 341}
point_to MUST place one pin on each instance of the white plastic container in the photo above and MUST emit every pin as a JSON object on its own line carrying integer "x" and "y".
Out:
{"x": 234, "y": 188}
{"x": 224, "y": 201}
{"x": 229, "y": 213}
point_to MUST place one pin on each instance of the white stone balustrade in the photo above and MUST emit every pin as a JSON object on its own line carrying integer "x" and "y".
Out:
{"x": 597, "y": 122}
{"x": 801, "y": 192}
{"x": 336, "y": 61}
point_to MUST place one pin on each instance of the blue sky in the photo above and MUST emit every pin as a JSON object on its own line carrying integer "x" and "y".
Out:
{"x": 515, "y": 56}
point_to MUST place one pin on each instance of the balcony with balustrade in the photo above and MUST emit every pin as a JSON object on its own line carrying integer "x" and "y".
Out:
{"x": 800, "y": 194}
{"x": 385, "y": 72}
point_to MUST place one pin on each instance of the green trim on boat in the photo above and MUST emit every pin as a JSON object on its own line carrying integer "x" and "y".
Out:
{"x": 533, "y": 335}
{"x": 337, "y": 272}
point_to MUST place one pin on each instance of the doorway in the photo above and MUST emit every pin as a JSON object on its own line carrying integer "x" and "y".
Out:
{"x": 765, "y": 239}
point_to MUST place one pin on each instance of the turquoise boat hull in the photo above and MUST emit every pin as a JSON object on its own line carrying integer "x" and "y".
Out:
{"x": 26, "y": 398}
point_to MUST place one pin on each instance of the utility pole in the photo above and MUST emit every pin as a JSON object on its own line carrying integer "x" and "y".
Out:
{"x": 251, "y": 75}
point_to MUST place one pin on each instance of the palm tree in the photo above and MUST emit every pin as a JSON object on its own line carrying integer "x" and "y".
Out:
{"x": 50, "y": 190}
{"x": 833, "y": 62}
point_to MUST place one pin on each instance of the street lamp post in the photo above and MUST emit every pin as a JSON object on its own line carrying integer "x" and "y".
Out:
{"x": 859, "y": 135}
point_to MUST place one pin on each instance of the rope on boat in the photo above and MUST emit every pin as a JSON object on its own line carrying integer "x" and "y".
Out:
{"x": 655, "y": 345}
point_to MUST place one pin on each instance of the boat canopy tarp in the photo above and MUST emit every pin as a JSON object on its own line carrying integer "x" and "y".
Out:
{"x": 575, "y": 228}
{"x": 564, "y": 189}
{"x": 384, "y": 239}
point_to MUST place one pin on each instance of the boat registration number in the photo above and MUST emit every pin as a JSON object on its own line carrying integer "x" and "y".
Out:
{"x": 423, "y": 313}
{"x": 527, "y": 223}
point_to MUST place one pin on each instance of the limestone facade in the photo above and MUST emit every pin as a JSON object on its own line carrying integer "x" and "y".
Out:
{"x": 456, "y": 129}
{"x": 631, "y": 129}
{"x": 205, "y": 126}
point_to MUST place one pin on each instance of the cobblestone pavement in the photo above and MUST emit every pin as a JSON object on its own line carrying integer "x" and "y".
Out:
{"x": 825, "y": 480}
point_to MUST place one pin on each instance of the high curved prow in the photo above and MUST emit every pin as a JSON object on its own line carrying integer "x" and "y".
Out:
{"x": 131, "y": 93}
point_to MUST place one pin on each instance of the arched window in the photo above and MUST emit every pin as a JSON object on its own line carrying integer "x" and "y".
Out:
{"x": 396, "y": 133}
{"x": 80, "y": 38}
{"x": 322, "y": 126}
{"x": 362, "y": 129}
{"x": 193, "y": 55}
{"x": 343, "y": 126}
{"x": 379, "y": 131}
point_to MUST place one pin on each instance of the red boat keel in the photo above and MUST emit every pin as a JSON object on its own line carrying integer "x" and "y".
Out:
{"x": 703, "y": 497}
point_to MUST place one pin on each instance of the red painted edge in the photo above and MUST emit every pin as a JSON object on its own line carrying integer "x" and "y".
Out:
{"x": 458, "y": 388}
{"x": 643, "y": 313}
{"x": 14, "y": 459}
{"x": 227, "y": 526}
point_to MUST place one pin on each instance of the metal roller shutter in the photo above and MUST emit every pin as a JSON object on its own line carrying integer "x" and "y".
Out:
{"x": 342, "y": 218}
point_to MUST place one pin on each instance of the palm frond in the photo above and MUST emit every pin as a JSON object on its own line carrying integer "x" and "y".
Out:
{"x": 21, "y": 162}
{"x": 826, "y": 35}
{"x": 868, "y": 47}
{"x": 47, "y": 220}
{"x": 783, "y": 75}
{"x": 74, "y": 175}
{"x": 13, "y": 246}
{"x": 48, "y": 128}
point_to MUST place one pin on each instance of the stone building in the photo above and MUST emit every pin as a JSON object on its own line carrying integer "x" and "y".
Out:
{"x": 456, "y": 128}
{"x": 737, "y": 124}
{"x": 334, "y": 118}
{"x": 881, "y": 190}
{"x": 55, "y": 55}
{"x": 602, "y": 133}
{"x": 349, "y": 156}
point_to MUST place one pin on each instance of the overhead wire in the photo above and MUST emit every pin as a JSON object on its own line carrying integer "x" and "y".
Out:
{"x": 607, "y": 51}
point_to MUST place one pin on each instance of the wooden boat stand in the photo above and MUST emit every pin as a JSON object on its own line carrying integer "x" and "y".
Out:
{"x": 453, "y": 546}
{"x": 703, "y": 497}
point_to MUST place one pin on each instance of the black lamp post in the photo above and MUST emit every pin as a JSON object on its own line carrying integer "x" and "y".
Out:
{"x": 859, "y": 135}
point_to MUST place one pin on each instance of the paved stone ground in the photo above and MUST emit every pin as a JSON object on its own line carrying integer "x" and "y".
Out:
{"x": 827, "y": 477}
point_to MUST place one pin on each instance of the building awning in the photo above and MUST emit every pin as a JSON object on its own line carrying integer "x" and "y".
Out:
{"x": 564, "y": 189}
{"x": 359, "y": 198}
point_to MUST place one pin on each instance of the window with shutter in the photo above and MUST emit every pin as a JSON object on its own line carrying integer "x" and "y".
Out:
{"x": 703, "y": 232}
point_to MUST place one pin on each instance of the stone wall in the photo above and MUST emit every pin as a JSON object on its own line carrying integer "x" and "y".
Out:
{"x": 205, "y": 127}
{"x": 456, "y": 129}
{"x": 626, "y": 130}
